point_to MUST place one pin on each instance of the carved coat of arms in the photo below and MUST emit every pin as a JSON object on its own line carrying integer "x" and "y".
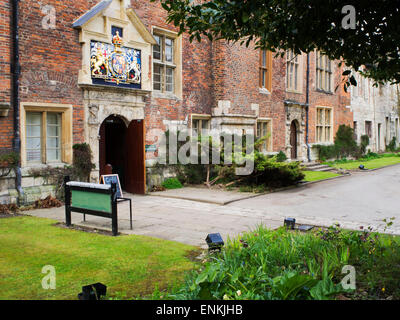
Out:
{"x": 114, "y": 63}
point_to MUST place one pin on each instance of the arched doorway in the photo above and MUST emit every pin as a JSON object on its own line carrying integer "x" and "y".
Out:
{"x": 293, "y": 139}
{"x": 123, "y": 148}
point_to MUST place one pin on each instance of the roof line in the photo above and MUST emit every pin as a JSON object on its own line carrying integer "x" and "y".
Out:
{"x": 91, "y": 13}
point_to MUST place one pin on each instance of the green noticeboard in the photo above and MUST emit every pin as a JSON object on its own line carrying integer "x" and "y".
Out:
{"x": 91, "y": 201}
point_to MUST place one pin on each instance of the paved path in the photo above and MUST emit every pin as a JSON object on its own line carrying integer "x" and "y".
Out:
{"x": 361, "y": 199}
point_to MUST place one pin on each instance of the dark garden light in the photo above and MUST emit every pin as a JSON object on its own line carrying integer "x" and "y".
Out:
{"x": 290, "y": 223}
{"x": 93, "y": 291}
{"x": 214, "y": 241}
{"x": 362, "y": 167}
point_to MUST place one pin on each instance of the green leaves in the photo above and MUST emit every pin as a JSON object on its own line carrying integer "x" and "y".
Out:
{"x": 325, "y": 289}
{"x": 301, "y": 25}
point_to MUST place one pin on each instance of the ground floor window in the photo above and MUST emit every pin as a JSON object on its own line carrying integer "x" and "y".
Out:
{"x": 368, "y": 128}
{"x": 200, "y": 123}
{"x": 43, "y": 137}
{"x": 324, "y": 125}
{"x": 264, "y": 130}
{"x": 46, "y": 134}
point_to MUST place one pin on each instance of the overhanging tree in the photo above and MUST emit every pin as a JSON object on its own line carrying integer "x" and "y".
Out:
{"x": 302, "y": 26}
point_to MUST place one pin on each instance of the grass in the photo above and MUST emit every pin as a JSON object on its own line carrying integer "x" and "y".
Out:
{"x": 279, "y": 264}
{"x": 130, "y": 266}
{"x": 318, "y": 175}
{"x": 370, "y": 162}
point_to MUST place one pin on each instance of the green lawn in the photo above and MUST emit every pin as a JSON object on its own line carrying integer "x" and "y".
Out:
{"x": 369, "y": 164}
{"x": 318, "y": 175}
{"x": 130, "y": 266}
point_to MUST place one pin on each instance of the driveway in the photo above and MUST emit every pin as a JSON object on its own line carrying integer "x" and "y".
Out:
{"x": 363, "y": 199}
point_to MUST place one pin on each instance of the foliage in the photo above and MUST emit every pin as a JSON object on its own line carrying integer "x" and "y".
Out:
{"x": 281, "y": 156}
{"x": 11, "y": 208}
{"x": 392, "y": 145}
{"x": 364, "y": 143}
{"x": 344, "y": 141}
{"x": 82, "y": 161}
{"x": 172, "y": 183}
{"x": 344, "y": 146}
{"x": 48, "y": 202}
{"x": 9, "y": 161}
{"x": 79, "y": 171}
{"x": 282, "y": 264}
{"x": 302, "y": 26}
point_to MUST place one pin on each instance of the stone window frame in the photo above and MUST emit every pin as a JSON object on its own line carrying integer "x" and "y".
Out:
{"x": 368, "y": 128}
{"x": 267, "y": 146}
{"x": 66, "y": 112}
{"x": 265, "y": 68}
{"x": 295, "y": 61}
{"x": 323, "y": 125}
{"x": 176, "y": 64}
{"x": 324, "y": 67}
{"x": 200, "y": 118}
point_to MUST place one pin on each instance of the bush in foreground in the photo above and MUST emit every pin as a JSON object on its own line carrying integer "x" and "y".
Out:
{"x": 279, "y": 265}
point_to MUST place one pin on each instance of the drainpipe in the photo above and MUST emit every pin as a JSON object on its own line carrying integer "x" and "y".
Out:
{"x": 16, "y": 70}
{"x": 307, "y": 106}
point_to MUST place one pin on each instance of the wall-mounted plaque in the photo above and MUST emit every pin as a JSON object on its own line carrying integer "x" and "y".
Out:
{"x": 114, "y": 64}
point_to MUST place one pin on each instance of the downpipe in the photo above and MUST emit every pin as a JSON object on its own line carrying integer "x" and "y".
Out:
{"x": 16, "y": 71}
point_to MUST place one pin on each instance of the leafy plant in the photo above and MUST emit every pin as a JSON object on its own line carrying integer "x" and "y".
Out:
{"x": 82, "y": 161}
{"x": 172, "y": 183}
{"x": 281, "y": 156}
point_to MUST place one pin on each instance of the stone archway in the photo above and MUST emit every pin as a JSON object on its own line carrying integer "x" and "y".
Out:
{"x": 293, "y": 140}
{"x": 100, "y": 104}
{"x": 296, "y": 148}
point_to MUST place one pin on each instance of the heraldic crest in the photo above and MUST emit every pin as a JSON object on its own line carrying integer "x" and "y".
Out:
{"x": 114, "y": 63}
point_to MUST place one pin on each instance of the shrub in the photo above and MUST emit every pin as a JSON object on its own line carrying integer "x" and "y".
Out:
{"x": 364, "y": 143}
{"x": 271, "y": 173}
{"x": 172, "y": 183}
{"x": 345, "y": 144}
{"x": 82, "y": 161}
{"x": 281, "y": 156}
{"x": 281, "y": 264}
{"x": 392, "y": 145}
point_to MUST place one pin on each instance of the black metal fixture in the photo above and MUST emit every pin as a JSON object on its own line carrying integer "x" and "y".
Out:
{"x": 93, "y": 291}
{"x": 289, "y": 223}
{"x": 214, "y": 241}
{"x": 362, "y": 167}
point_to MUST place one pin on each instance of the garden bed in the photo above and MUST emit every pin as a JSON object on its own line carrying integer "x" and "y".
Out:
{"x": 281, "y": 264}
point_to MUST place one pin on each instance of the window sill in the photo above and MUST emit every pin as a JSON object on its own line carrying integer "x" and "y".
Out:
{"x": 27, "y": 167}
{"x": 323, "y": 91}
{"x": 264, "y": 91}
{"x": 294, "y": 91}
{"x": 165, "y": 95}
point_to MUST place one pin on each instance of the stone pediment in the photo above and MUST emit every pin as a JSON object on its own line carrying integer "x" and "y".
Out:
{"x": 116, "y": 47}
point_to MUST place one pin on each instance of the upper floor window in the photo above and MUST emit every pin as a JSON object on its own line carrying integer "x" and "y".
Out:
{"x": 266, "y": 69}
{"x": 324, "y": 73}
{"x": 164, "y": 64}
{"x": 324, "y": 125}
{"x": 293, "y": 71}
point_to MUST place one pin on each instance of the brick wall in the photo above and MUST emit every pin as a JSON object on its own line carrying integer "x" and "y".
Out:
{"x": 51, "y": 58}
{"x": 6, "y": 123}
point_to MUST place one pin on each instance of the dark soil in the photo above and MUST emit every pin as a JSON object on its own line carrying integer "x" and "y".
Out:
{"x": 84, "y": 229}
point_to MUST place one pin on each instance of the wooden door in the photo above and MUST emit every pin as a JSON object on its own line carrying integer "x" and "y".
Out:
{"x": 293, "y": 140}
{"x": 102, "y": 149}
{"x": 135, "y": 158}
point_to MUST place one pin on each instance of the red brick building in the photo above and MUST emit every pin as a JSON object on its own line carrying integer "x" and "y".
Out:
{"x": 108, "y": 72}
